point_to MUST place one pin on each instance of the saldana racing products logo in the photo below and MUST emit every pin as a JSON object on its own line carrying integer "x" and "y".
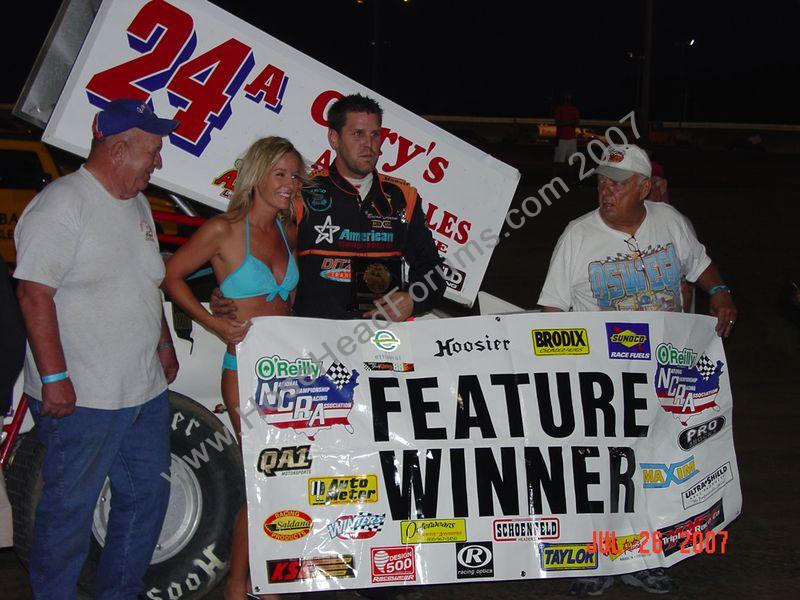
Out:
{"x": 686, "y": 384}
{"x": 298, "y": 395}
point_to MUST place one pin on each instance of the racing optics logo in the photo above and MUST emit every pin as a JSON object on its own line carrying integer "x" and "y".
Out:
{"x": 287, "y": 525}
{"x": 629, "y": 341}
{"x": 560, "y": 342}
{"x": 356, "y": 527}
{"x": 689, "y": 438}
{"x": 708, "y": 486}
{"x": 526, "y": 529}
{"x": 686, "y": 384}
{"x": 672, "y": 536}
{"x": 567, "y": 557}
{"x": 354, "y": 489}
{"x": 433, "y": 531}
{"x": 474, "y": 559}
{"x": 288, "y": 570}
{"x": 294, "y": 395}
{"x": 396, "y": 563}
{"x": 288, "y": 460}
{"x": 660, "y": 475}
{"x": 385, "y": 340}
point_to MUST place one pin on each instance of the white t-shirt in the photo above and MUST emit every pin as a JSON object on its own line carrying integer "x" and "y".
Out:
{"x": 102, "y": 257}
{"x": 595, "y": 267}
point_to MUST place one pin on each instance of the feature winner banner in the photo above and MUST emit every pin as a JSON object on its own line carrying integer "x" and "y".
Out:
{"x": 483, "y": 448}
{"x": 228, "y": 84}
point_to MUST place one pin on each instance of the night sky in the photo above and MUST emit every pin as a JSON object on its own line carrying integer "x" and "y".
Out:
{"x": 510, "y": 58}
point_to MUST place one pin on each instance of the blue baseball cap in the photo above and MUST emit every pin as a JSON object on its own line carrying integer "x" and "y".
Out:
{"x": 127, "y": 113}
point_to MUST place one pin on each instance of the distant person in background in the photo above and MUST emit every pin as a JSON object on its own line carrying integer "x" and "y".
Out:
{"x": 12, "y": 351}
{"x": 567, "y": 119}
{"x": 658, "y": 181}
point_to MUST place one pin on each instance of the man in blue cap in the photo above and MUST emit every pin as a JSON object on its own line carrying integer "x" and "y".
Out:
{"x": 100, "y": 357}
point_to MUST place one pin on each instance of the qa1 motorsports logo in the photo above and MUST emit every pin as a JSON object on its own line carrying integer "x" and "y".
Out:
{"x": 686, "y": 384}
{"x": 298, "y": 395}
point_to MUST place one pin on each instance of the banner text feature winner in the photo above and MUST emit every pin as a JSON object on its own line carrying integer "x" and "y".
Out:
{"x": 483, "y": 448}
{"x": 228, "y": 84}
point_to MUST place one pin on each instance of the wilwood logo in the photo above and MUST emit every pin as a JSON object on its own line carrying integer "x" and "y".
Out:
{"x": 689, "y": 438}
{"x": 287, "y": 525}
{"x": 433, "y": 531}
{"x": 560, "y": 342}
{"x": 354, "y": 489}
{"x": 660, "y": 475}
{"x": 526, "y": 529}
{"x": 567, "y": 557}
{"x": 356, "y": 527}
{"x": 630, "y": 341}
{"x": 289, "y": 460}
{"x": 474, "y": 560}
{"x": 391, "y": 564}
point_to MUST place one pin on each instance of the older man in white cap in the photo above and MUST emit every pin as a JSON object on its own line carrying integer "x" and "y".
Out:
{"x": 630, "y": 254}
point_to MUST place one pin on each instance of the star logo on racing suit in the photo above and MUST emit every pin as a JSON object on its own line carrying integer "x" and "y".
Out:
{"x": 326, "y": 231}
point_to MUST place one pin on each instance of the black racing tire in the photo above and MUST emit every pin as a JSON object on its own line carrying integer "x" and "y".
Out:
{"x": 207, "y": 491}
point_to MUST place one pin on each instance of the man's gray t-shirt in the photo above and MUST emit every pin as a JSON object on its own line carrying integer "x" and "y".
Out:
{"x": 102, "y": 257}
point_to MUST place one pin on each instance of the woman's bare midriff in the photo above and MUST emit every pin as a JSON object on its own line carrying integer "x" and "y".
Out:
{"x": 257, "y": 306}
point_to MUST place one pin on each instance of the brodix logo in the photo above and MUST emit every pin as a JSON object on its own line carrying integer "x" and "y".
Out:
{"x": 560, "y": 342}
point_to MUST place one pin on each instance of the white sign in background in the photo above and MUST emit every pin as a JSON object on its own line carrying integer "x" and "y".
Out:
{"x": 531, "y": 431}
{"x": 229, "y": 84}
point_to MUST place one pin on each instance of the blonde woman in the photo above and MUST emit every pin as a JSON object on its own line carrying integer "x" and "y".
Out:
{"x": 250, "y": 251}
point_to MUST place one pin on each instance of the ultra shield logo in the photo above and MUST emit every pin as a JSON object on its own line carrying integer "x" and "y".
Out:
{"x": 628, "y": 341}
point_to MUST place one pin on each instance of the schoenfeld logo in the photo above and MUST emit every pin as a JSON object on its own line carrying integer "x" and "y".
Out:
{"x": 385, "y": 340}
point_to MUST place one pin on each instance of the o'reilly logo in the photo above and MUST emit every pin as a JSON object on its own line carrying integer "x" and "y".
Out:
{"x": 560, "y": 342}
{"x": 474, "y": 559}
{"x": 269, "y": 367}
{"x": 689, "y": 438}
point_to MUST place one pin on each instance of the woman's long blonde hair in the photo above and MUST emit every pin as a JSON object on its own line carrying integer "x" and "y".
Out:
{"x": 260, "y": 158}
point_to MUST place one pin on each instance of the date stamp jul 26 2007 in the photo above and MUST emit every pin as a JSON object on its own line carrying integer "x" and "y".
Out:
{"x": 650, "y": 542}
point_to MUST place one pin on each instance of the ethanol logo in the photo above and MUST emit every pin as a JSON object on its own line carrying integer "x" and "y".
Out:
{"x": 567, "y": 557}
{"x": 385, "y": 340}
{"x": 560, "y": 342}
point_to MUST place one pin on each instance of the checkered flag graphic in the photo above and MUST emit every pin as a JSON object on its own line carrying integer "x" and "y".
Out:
{"x": 376, "y": 524}
{"x": 706, "y": 367}
{"x": 338, "y": 374}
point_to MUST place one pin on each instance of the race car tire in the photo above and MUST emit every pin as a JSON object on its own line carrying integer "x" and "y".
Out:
{"x": 207, "y": 490}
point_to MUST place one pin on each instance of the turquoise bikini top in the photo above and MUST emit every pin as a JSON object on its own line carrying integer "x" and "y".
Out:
{"x": 254, "y": 278}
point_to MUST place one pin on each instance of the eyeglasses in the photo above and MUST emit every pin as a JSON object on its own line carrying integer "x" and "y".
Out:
{"x": 636, "y": 254}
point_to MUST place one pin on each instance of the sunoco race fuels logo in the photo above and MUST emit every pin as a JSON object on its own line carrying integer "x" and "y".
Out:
{"x": 630, "y": 341}
{"x": 474, "y": 559}
{"x": 385, "y": 340}
{"x": 560, "y": 342}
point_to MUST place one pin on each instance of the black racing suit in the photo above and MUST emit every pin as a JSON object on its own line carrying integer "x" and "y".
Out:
{"x": 334, "y": 225}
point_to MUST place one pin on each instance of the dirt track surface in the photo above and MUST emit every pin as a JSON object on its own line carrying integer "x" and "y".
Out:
{"x": 746, "y": 209}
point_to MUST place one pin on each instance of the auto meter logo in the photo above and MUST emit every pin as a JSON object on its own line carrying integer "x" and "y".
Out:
{"x": 391, "y": 564}
{"x": 474, "y": 559}
{"x": 356, "y": 527}
{"x": 385, "y": 340}
{"x": 628, "y": 341}
{"x": 352, "y": 489}
{"x": 686, "y": 383}
{"x": 567, "y": 557}
{"x": 560, "y": 342}
{"x": 299, "y": 395}
{"x": 287, "y": 525}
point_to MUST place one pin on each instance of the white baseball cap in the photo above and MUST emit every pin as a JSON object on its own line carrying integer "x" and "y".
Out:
{"x": 624, "y": 161}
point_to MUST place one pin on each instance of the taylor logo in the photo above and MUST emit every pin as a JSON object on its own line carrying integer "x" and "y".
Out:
{"x": 474, "y": 559}
{"x": 660, "y": 475}
{"x": 354, "y": 489}
{"x": 385, "y": 340}
{"x": 560, "y": 342}
{"x": 686, "y": 384}
{"x": 433, "y": 531}
{"x": 287, "y": 570}
{"x": 294, "y": 395}
{"x": 356, "y": 527}
{"x": 567, "y": 557}
{"x": 629, "y": 341}
{"x": 287, "y": 525}
{"x": 396, "y": 563}
{"x": 289, "y": 459}
{"x": 526, "y": 529}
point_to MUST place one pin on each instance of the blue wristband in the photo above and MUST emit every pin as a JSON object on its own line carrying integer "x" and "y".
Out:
{"x": 55, "y": 377}
{"x": 719, "y": 288}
